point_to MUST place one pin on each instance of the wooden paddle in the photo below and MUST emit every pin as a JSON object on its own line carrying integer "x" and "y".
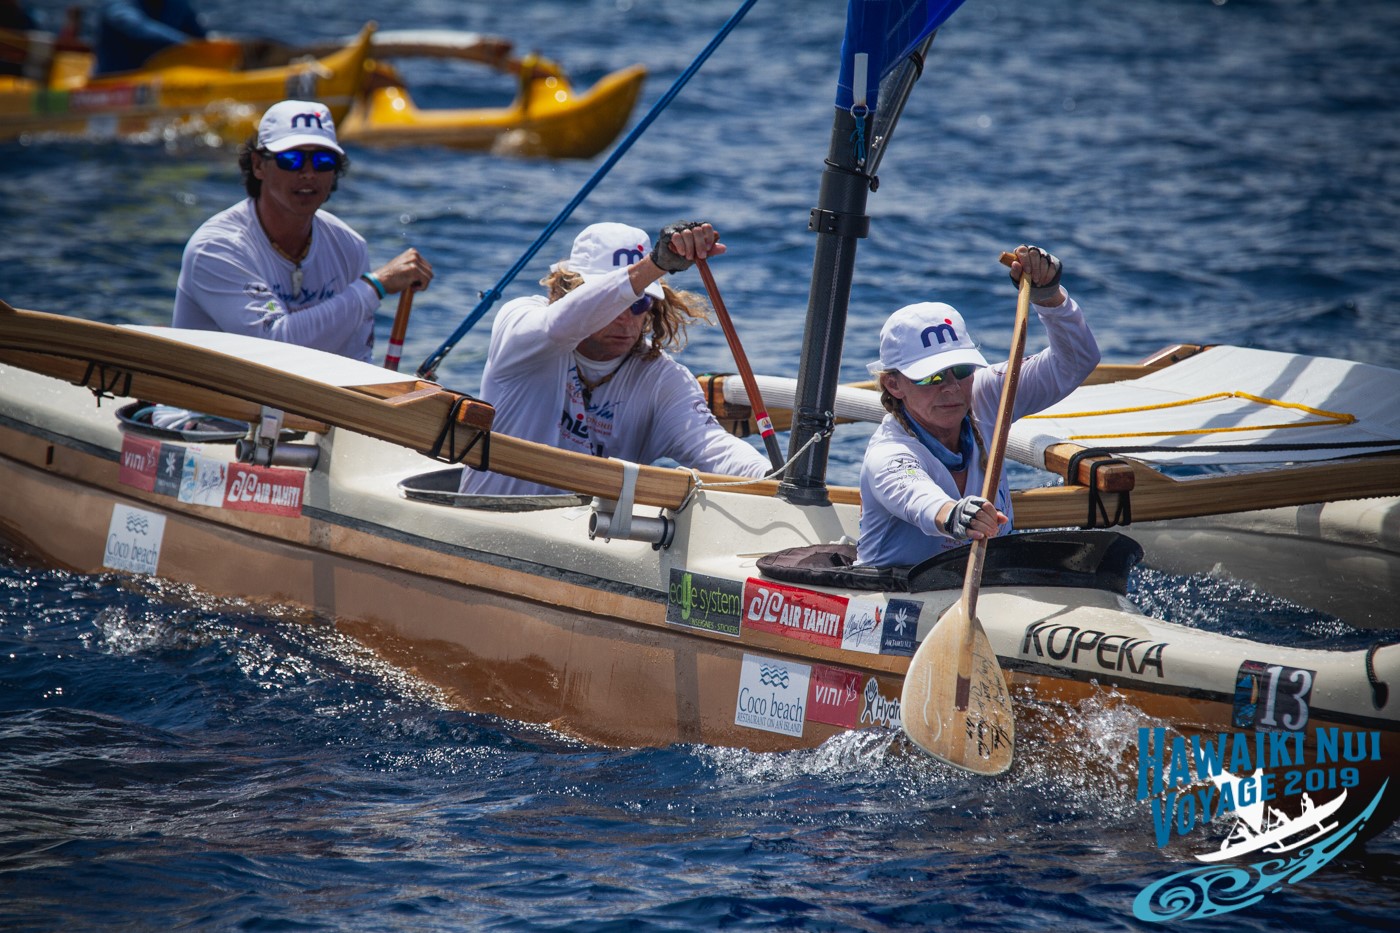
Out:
{"x": 400, "y": 329}
{"x": 955, "y": 704}
{"x": 760, "y": 412}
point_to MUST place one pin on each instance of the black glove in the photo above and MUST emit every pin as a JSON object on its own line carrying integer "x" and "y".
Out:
{"x": 668, "y": 259}
{"x": 1045, "y": 291}
{"x": 964, "y": 510}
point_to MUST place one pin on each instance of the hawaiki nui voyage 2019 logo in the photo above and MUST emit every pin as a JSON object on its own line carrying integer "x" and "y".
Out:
{"x": 1295, "y": 805}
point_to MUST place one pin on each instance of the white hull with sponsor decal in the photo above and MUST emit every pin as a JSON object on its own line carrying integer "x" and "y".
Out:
{"x": 525, "y": 614}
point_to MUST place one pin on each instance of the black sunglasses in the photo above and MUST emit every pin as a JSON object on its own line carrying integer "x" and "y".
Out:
{"x": 641, "y": 306}
{"x": 293, "y": 159}
{"x": 956, "y": 372}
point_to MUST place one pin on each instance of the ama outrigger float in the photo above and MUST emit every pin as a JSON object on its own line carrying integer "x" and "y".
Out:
{"x": 656, "y": 605}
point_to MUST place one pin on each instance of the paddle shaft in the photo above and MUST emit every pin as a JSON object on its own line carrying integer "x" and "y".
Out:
{"x": 996, "y": 453}
{"x": 760, "y": 412}
{"x": 396, "y": 336}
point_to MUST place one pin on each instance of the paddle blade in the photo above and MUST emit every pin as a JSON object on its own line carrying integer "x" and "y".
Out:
{"x": 963, "y": 719}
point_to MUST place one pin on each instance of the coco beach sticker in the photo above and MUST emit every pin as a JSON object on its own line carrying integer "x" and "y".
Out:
{"x": 133, "y": 540}
{"x": 1292, "y": 800}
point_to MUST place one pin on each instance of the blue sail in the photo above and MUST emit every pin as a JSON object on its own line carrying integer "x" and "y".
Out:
{"x": 886, "y": 31}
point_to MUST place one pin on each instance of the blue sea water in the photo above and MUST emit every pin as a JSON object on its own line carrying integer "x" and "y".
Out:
{"x": 1208, "y": 172}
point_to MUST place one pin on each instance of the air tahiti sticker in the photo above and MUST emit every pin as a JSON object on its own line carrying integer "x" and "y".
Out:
{"x": 192, "y": 477}
{"x": 1291, "y": 805}
{"x": 710, "y": 604}
{"x": 133, "y": 540}
{"x": 772, "y": 695}
{"x": 861, "y": 624}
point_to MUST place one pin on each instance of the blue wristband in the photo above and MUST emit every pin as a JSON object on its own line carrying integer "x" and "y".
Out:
{"x": 374, "y": 283}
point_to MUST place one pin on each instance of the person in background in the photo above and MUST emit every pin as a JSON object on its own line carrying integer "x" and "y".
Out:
{"x": 924, "y": 464}
{"x": 276, "y": 265}
{"x": 131, "y": 31}
{"x": 586, "y": 367}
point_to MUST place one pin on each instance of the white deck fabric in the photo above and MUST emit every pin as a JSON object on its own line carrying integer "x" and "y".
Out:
{"x": 329, "y": 368}
{"x": 781, "y": 392}
{"x": 1369, "y": 393}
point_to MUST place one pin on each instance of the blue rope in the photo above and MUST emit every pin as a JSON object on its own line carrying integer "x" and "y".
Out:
{"x": 493, "y": 294}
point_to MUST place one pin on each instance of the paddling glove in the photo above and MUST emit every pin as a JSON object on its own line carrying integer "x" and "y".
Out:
{"x": 1046, "y": 291}
{"x": 662, "y": 254}
{"x": 961, "y": 517}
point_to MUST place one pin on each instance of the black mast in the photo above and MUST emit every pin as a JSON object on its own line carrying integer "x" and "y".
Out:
{"x": 839, "y": 220}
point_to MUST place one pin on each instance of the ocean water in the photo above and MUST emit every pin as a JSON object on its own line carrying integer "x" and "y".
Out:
{"x": 1208, "y": 172}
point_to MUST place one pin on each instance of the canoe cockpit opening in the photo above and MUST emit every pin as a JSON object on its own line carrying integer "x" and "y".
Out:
{"x": 145, "y": 419}
{"x": 439, "y": 487}
{"x": 136, "y": 418}
{"x": 1094, "y": 559}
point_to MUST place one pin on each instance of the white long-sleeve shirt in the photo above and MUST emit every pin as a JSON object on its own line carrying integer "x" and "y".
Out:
{"x": 903, "y": 485}
{"x": 648, "y": 410}
{"x": 232, "y": 279}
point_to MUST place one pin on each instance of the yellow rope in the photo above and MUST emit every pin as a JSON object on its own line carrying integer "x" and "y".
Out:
{"x": 1330, "y": 417}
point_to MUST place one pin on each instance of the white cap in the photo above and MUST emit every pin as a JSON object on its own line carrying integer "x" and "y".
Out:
{"x": 294, "y": 123}
{"x": 600, "y": 249}
{"x": 922, "y": 339}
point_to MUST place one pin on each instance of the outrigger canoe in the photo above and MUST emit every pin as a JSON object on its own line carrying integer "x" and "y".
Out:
{"x": 655, "y": 605}
{"x": 635, "y": 612}
{"x": 181, "y": 93}
{"x": 1276, "y": 469}
{"x": 218, "y": 87}
{"x": 548, "y": 118}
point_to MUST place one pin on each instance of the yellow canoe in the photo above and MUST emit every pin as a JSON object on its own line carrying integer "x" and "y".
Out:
{"x": 547, "y": 119}
{"x": 219, "y": 87}
{"x": 196, "y": 89}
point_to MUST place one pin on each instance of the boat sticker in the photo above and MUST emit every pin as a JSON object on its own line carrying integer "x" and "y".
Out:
{"x": 772, "y": 695}
{"x": 834, "y": 696}
{"x": 1297, "y": 801}
{"x": 139, "y": 458}
{"x": 1272, "y": 697}
{"x": 1090, "y": 648}
{"x": 879, "y": 710}
{"x": 264, "y": 489}
{"x": 133, "y": 540}
{"x": 203, "y": 480}
{"x": 879, "y": 627}
{"x": 114, "y": 97}
{"x": 710, "y": 604}
{"x": 170, "y": 469}
{"x": 797, "y": 613}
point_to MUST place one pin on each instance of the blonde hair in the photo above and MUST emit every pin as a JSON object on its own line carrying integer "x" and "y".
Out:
{"x": 894, "y": 407}
{"x": 670, "y": 316}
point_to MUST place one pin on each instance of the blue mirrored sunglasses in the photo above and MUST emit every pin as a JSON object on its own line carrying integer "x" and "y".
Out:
{"x": 293, "y": 159}
{"x": 952, "y": 372}
{"x": 641, "y": 306}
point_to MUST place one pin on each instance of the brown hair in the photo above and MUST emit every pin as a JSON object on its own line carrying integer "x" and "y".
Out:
{"x": 253, "y": 184}
{"x": 670, "y": 316}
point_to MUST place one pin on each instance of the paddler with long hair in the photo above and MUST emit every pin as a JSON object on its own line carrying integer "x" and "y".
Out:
{"x": 926, "y": 460}
{"x": 586, "y": 367}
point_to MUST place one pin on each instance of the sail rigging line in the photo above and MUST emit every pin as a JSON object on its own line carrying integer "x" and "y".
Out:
{"x": 698, "y": 485}
{"x": 492, "y": 295}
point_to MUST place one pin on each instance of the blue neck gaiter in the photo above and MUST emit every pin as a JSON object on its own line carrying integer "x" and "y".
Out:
{"x": 954, "y": 462}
